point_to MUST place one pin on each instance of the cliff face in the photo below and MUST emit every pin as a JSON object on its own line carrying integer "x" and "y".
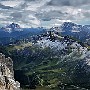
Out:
{"x": 7, "y": 81}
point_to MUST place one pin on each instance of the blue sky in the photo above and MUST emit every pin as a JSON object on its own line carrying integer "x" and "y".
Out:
{"x": 44, "y": 13}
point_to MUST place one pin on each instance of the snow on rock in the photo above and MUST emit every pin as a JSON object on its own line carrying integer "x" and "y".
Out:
{"x": 53, "y": 45}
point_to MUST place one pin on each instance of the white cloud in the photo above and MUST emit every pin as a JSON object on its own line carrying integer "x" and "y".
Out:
{"x": 33, "y": 20}
{"x": 68, "y": 2}
{"x": 44, "y": 12}
{"x": 11, "y": 3}
{"x": 2, "y": 16}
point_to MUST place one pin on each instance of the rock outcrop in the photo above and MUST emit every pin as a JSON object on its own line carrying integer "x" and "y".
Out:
{"x": 7, "y": 81}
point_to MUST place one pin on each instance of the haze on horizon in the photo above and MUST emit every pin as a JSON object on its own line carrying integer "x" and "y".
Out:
{"x": 44, "y": 13}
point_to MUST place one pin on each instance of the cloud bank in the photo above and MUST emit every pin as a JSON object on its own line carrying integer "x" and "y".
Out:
{"x": 44, "y": 13}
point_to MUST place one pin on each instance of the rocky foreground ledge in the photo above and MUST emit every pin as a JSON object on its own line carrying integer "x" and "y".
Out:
{"x": 7, "y": 81}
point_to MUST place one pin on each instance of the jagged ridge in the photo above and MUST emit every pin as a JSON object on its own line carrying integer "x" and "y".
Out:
{"x": 7, "y": 81}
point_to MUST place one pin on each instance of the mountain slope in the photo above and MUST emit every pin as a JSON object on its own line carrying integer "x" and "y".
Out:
{"x": 43, "y": 64}
{"x": 14, "y": 32}
{"x": 81, "y": 32}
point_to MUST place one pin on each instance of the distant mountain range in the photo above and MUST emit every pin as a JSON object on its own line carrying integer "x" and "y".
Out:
{"x": 15, "y": 32}
{"x": 12, "y": 27}
{"x": 81, "y": 32}
{"x": 78, "y": 31}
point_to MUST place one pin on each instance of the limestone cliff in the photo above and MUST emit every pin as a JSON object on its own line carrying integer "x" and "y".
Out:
{"x": 7, "y": 81}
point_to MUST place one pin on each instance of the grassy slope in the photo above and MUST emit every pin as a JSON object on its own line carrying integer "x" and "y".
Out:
{"x": 54, "y": 70}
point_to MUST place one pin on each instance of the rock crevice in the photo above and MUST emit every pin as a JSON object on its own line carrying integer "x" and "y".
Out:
{"x": 7, "y": 81}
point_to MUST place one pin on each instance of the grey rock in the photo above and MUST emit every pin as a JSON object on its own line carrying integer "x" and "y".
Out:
{"x": 7, "y": 81}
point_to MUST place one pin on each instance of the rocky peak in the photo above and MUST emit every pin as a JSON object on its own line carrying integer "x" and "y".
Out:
{"x": 13, "y": 26}
{"x": 7, "y": 81}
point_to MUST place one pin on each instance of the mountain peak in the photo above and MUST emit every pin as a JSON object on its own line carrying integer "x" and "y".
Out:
{"x": 67, "y": 24}
{"x": 13, "y": 26}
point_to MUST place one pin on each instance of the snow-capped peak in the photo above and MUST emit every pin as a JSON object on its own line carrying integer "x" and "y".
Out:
{"x": 12, "y": 27}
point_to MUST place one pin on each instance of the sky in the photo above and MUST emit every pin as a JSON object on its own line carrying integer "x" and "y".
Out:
{"x": 44, "y": 13}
